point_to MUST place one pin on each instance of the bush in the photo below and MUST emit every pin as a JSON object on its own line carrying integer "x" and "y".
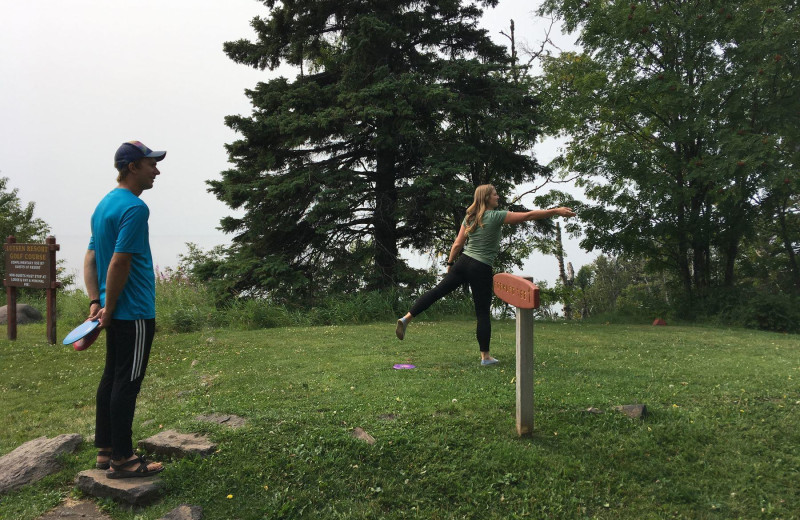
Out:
{"x": 251, "y": 314}
{"x": 645, "y": 301}
{"x": 181, "y": 305}
{"x": 761, "y": 309}
{"x": 71, "y": 306}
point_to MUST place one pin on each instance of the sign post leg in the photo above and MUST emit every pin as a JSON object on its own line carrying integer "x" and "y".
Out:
{"x": 11, "y": 302}
{"x": 51, "y": 291}
{"x": 524, "y": 372}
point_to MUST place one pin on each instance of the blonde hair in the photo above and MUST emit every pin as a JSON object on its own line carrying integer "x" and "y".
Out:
{"x": 479, "y": 206}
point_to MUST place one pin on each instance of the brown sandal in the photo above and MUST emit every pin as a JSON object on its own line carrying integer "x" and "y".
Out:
{"x": 120, "y": 471}
{"x": 106, "y": 464}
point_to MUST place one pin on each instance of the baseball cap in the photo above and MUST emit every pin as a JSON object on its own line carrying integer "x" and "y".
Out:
{"x": 133, "y": 151}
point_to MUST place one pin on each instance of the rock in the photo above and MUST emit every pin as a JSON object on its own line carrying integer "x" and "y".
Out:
{"x": 659, "y": 322}
{"x": 359, "y": 433}
{"x": 25, "y": 314}
{"x": 84, "y": 509}
{"x": 172, "y": 443}
{"x": 140, "y": 491}
{"x": 184, "y": 512}
{"x": 634, "y": 411}
{"x": 233, "y": 421}
{"x": 34, "y": 460}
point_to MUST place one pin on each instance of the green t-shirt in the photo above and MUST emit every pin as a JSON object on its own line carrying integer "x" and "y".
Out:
{"x": 483, "y": 243}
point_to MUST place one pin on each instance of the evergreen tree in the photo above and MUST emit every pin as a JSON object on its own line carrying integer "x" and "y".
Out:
{"x": 399, "y": 109}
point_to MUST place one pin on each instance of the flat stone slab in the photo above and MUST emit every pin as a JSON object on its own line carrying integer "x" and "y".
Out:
{"x": 634, "y": 411}
{"x": 34, "y": 460}
{"x": 230, "y": 420}
{"x": 175, "y": 444}
{"x": 184, "y": 512}
{"x": 83, "y": 509}
{"x": 134, "y": 491}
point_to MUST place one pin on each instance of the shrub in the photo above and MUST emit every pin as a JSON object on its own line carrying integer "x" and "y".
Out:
{"x": 646, "y": 301}
{"x": 761, "y": 309}
{"x": 256, "y": 314}
{"x": 181, "y": 305}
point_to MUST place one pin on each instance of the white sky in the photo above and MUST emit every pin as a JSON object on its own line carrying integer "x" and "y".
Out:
{"x": 79, "y": 77}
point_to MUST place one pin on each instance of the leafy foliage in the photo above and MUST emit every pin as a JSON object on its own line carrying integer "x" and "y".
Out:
{"x": 684, "y": 124}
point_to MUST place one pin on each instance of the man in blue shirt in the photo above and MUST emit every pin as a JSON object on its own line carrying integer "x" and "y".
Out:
{"x": 119, "y": 276}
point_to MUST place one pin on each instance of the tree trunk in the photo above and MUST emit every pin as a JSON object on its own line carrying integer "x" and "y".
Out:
{"x": 730, "y": 261}
{"x": 683, "y": 255}
{"x": 385, "y": 220}
{"x": 787, "y": 243}
{"x": 561, "y": 273}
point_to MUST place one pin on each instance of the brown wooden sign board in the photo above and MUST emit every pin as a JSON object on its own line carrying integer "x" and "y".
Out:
{"x": 32, "y": 266}
{"x": 27, "y": 265}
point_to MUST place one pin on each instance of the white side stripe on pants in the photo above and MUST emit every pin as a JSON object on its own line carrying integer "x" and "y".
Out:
{"x": 138, "y": 352}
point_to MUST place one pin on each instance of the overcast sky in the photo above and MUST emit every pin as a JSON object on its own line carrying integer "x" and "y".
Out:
{"x": 79, "y": 77}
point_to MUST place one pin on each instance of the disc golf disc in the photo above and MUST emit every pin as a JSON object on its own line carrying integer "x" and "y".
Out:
{"x": 403, "y": 366}
{"x": 86, "y": 341}
{"x": 81, "y": 331}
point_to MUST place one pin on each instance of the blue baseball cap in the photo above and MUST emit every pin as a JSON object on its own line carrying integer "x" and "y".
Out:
{"x": 132, "y": 151}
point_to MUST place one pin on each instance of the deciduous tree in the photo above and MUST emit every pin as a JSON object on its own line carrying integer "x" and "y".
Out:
{"x": 682, "y": 116}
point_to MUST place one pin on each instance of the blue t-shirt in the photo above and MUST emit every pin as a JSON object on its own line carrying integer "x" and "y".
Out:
{"x": 483, "y": 244}
{"x": 119, "y": 225}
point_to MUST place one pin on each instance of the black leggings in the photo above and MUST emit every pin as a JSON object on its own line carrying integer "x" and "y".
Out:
{"x": 479, "y": 277}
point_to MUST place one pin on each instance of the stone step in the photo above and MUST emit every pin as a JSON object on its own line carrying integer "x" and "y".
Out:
{"x": 34, "y": 460}
{"x": 84, "y": 509}
{"x": 175, "y": 444}
{"x": 140, "y": 491}
{"x": 225, "y": 419}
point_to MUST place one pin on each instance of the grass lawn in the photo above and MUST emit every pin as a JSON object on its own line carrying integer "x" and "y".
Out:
{"x": 722, "y": 439}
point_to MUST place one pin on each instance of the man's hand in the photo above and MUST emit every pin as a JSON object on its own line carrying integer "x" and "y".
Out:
{"x": 96, "y": 313}
{"x": 105, "y": 318}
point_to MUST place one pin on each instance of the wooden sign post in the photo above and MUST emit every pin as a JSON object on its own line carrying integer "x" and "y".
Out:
{"x": 523, "y": 294}
{"x": 32, "y": 266}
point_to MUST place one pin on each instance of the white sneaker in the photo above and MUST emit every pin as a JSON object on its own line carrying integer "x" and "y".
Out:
{"x": 492, "y": 361}
{"x": 400, "y": 331}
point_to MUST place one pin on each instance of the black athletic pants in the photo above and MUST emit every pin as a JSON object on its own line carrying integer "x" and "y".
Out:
{"x": 479, "y": 277}
{"x": 128, "y": 345}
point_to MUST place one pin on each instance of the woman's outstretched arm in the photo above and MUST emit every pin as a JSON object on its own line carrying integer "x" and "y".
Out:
{"x": 517, "y": 217}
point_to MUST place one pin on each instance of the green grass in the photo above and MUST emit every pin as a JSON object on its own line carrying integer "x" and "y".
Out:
{"x": 722, "y": 439}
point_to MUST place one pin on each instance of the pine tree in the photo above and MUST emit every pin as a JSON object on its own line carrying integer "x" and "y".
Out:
{"x": 399, "y": 109}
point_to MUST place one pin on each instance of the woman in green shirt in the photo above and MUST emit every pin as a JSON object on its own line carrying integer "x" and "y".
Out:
{"x": 481, "y": 226}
